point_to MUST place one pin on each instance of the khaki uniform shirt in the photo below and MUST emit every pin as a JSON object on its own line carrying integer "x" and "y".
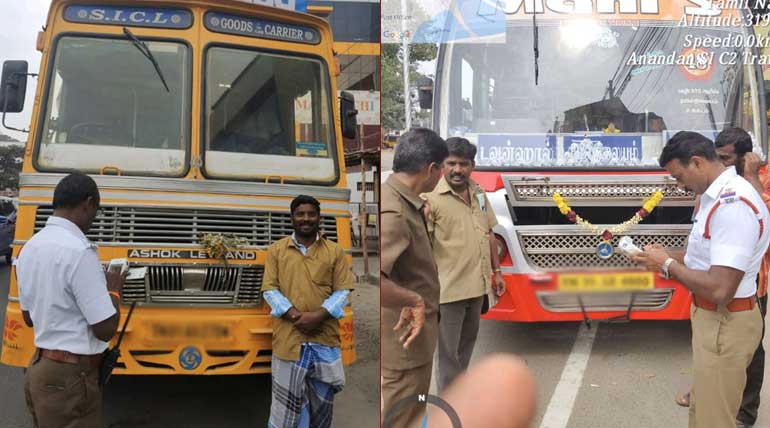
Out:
{"x": 460, "y": 235}
{"x": 407, "y": 260}
{"x": 307, "y": 281}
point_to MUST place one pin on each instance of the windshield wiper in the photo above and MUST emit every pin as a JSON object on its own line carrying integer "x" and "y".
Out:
{"x": 147, "y": 53}
{"x": 711, "y": 114}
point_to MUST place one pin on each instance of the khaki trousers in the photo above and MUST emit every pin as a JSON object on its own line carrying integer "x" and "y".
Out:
{"x": 723, "y": 344}
{"x": 401, "y": 384}
{"x": 62, "y": 395}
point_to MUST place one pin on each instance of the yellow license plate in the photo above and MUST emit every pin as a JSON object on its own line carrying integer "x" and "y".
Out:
{"x": 171, "y": 332}
{"x": 607, "y": 281}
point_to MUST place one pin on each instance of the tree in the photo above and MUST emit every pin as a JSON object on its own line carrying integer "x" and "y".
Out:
{"x": 392, "y": 92}
{"x": 393, "y": 116}
{"x": 392, "y": 60}
{"x": 10, "y": 166}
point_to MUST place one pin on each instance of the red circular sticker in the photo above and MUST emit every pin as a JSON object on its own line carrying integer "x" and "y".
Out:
{"x": 696, "y": 64}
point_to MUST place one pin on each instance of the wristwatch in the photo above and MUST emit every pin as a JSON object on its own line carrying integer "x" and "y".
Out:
{"x": 664, "y": 268}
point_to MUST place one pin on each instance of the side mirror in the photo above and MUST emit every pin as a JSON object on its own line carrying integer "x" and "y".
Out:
{"x": 425, "y": 90}
{"x": 348, "y": 114}
{"x": 13, "y": 86}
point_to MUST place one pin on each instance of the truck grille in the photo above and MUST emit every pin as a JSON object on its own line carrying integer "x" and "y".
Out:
{"x": 652, "y": 300}
{"x": 134, "y": 290}
{"x": 170, "y": 278}
{"x": 132, "y": 225}
{"x": 250, "y": 287}
{"x": 550, "y": 251}
{"x": 197, "y": 285}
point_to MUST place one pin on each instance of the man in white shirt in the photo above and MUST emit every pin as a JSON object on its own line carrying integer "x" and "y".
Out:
{"x": 724, "y": 251}
{"x": 72, "y": 305}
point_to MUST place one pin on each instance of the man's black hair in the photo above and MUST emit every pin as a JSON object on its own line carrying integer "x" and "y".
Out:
{"x": 73, "y": 190}
{"x": 461, "y": 148}
{"x": 418, "y": 148}
{"x": 686, "y": 144}
{"x": 737, "y": 136}
{"x": 305, "y": 199}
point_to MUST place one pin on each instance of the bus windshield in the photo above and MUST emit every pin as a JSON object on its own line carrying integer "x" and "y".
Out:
{"x": 107, "y": 107}
{"x": 606, "y": 95}
{"x": 267, "y": 115}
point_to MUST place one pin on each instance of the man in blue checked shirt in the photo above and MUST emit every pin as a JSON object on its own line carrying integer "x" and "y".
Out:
{"x": 307, "y": 282}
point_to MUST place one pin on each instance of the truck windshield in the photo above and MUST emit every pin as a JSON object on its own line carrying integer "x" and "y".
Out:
{"x": 606, "y": 96}
{"x": 107, "y": 107}
{"x": 267, "y": 115}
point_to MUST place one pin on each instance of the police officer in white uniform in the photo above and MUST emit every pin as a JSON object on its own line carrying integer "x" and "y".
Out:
{"x": 719, "y": 266}
{"x": 72, "y": 305}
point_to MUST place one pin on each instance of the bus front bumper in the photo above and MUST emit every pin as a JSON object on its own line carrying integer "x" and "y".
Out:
{"x": 539, "y": 297}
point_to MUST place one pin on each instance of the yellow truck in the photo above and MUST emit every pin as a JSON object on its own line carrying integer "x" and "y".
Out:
{"x": 195, "y": 118}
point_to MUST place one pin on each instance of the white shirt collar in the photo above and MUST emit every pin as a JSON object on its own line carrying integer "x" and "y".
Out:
{"x": 66, "y": 224}
{"x": 720, "y": 182}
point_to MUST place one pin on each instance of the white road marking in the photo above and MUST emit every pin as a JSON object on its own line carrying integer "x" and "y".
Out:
{"x": 563, "y": 399}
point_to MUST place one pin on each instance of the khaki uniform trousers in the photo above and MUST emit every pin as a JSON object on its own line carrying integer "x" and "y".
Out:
{"x": 63, "y": 395}
{"x": 458, "y": 330}
{"x": 400, "y": 384}
{"x": 723, "y": 344}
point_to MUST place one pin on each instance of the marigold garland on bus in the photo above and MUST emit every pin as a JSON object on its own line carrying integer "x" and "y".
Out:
{"x": 604, "y": 249}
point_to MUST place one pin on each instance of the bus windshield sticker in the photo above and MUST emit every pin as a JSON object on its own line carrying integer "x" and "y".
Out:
{"x": 699, "y": 101}
{"x": 696, "y": 64}
{"x": 244, "y": 26}
{"x": 129, "y": 16}
{"x": 313, "y": 149}
{"x": 647, "y": 61}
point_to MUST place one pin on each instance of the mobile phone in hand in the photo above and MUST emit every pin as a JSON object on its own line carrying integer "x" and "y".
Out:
{"x": 118, "y": 265}
{"x": 627, "y": 246}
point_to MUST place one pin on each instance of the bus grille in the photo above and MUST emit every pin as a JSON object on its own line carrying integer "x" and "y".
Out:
{"x": 652, "y": 300}
{"x": 566, "y": 251}
{"x": 575, "y": 191}
{"x": 121, "y": 224}
{"x": 196, "y": 285}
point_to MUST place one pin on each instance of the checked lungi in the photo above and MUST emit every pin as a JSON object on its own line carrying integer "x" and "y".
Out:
{"x": 303, "y": 390}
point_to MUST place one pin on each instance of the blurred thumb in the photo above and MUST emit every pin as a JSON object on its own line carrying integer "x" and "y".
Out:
{"x": 498, "y": 392}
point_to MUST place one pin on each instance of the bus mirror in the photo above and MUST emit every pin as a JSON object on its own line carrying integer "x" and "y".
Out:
{"x": 13, "y": 86}
{"x": 425, "y": 89}
{"x": 348, "y": 114}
